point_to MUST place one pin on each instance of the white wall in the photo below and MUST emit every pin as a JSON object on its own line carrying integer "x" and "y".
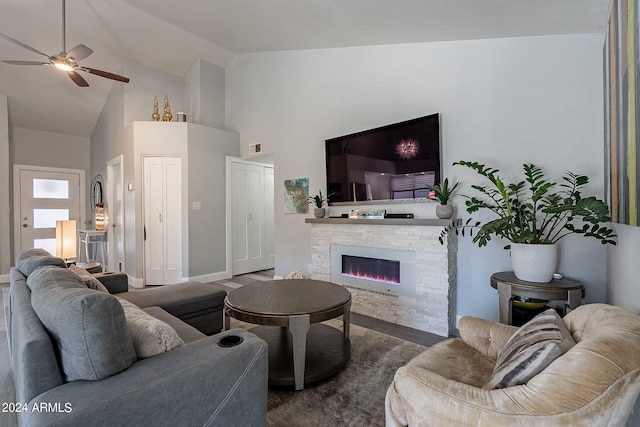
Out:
{"x": 39, "y": 148}
{"x": 145, "y": 84}
{"x": 5, "y": 205}
{"x": 503, "y": 101}
{"x": 205, "y": 94}
{"x": 208, "y": 149}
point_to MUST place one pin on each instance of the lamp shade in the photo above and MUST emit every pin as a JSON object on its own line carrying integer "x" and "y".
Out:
{"x": 66, "y": 239}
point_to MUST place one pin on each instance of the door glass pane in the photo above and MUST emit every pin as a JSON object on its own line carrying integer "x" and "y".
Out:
{"x": 50, "y": 189}
{"x": 48, "y": 245}
{"x": 46, "y": 218}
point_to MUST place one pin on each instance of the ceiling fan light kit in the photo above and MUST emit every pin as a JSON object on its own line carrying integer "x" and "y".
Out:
{"x": 65, "y": 61}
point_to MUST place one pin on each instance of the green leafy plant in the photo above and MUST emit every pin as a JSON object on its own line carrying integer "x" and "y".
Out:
{"x": 534, "y": 210}
{"x": 318, "y": 199}
{"x": 442, "y": 191}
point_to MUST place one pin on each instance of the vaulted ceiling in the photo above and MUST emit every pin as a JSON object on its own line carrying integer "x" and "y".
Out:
{"x": 171, "y": 36}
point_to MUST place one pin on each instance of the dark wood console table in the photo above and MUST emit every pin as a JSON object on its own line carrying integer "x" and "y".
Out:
{"x": 568, "y": 290}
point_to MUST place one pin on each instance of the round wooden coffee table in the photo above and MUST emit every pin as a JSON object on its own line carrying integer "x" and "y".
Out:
{"x": 309, "y": 351}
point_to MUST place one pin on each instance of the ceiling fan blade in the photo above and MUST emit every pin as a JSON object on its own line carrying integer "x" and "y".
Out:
{"x": 78, "y": 53}
{"x": 25, "y": 62}
{"x": 105, "y": 74}
{"x": 78, "y": 79}
{"x": 19, "y": 43}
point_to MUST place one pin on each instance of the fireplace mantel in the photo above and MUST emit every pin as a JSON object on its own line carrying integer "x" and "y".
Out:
{"x": 428, "y": 222}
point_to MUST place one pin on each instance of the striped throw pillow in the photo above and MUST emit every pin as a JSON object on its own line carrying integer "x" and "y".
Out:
{"x": 530, "y": 350}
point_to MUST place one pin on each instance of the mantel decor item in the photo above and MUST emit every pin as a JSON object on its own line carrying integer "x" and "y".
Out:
{"x": 532, "y": 212}
{"x": 442, "y": 193}
{"x": 319, "y": 201}
{"x": 167, "y": 116}
{"x": 156, "y": 115}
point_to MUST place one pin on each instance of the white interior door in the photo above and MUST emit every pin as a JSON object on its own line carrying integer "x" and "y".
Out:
{"x": 162, "y": 182}
{"x": 41, "y": 197}
{"x": 269, "y": 219}
{"x": 252, "y": 247}
{"x": 115, "y": 210}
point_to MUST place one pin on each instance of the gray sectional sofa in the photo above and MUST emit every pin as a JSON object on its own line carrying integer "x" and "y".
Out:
{"x": 82, "y": 356}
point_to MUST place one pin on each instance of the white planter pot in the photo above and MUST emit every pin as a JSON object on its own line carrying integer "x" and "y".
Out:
{"x": 534, "y": 263}
{"x": 444, "y": 211}
{"x": 318, "y": 212}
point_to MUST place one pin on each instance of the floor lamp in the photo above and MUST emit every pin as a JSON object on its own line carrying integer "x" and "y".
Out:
{"x": 66, "y": 240}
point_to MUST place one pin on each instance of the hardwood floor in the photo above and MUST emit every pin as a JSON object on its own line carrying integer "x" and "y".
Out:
{"x": 398, "y": 331}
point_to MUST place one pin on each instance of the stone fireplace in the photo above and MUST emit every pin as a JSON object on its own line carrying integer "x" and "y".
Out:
{"x": 428, "y": 302}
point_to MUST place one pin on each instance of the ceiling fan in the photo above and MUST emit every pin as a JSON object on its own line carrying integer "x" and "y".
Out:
{"x": 65, "y": 61}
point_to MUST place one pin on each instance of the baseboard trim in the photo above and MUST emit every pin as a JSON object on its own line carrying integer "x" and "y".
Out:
{"x": 211, "y": 277}
{"x": 4, "y": 278}
{"x": 136, "y": 283}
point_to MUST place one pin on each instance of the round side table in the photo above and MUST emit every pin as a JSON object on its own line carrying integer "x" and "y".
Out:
{"x": 569, "y": 291}
{"x": 301, "y": 349}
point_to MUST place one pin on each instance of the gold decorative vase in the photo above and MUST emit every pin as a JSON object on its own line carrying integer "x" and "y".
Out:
{"x": 155, "y": 116}
{"x": 167, "y": 116}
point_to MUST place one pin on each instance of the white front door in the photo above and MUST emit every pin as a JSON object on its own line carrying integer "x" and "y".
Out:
{"x": 41, "y": 197}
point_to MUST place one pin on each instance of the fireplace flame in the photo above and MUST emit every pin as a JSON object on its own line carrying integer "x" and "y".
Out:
{"x": 363, "y": 276}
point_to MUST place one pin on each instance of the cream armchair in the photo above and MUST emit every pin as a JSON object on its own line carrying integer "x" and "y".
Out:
{"x": 595, "y": 383}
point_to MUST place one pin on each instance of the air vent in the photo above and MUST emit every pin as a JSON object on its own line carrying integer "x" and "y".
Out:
{"x": 255, "y": 149}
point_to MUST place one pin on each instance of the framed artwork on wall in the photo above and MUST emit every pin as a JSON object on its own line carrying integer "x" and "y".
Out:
{"x": 296, "y": 195}
{"x": 622, "y": 111}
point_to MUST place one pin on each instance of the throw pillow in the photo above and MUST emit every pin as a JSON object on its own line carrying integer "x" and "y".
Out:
{"x": 89, "y": 280}
{"x": 295, "y": 275}
{"x": 151, "y": 336}
{"x": 530, "y": 350}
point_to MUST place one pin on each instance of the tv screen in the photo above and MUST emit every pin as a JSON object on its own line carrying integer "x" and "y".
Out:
{"x": 397, "y": 161}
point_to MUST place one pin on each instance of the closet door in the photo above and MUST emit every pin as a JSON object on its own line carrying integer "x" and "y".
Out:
{"x": 269, "y": 220}
{"x": 162, "y": 184}
{"x": 247, "y": 189}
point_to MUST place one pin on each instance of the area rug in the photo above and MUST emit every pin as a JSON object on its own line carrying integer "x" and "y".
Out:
{"x": 353, "y": 397}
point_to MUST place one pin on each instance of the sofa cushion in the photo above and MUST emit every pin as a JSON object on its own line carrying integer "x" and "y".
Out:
{"x": 151, "y": 336}
{"x": 47, "y": 275}
{"x": 180, "y": 299}
{"x": 88, "y": 327}
{"x": 530, "y": 350}
{"x": 27, "y": 261}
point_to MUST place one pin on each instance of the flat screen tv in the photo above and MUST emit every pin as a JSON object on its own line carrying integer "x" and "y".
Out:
{"x": 392, "y": 162}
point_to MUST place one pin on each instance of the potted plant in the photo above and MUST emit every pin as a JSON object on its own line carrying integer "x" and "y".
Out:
{"x": 319, "y": 201}
{"x": 533, "y": 215}
{"x": 442, "y": 193}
